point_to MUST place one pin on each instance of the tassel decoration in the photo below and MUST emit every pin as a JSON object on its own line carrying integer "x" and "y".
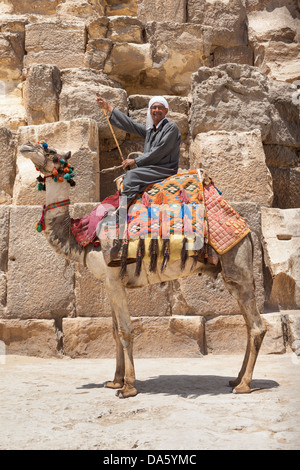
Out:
{"x": 184, "y": 253}
{"x": 165, "y": 253}
{"x": 140, "y": 256}
{"x": 124, "y": 259}
{"x": 153, "y": 254}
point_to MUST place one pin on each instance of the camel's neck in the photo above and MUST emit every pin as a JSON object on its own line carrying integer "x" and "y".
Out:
{"x": 58, "y": 223}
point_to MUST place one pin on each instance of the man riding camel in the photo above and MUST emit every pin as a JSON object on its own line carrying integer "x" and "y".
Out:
{"x": 161, "y": 148}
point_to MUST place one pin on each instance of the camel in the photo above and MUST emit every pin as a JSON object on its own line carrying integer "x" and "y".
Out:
{"x": 235, "y": 266}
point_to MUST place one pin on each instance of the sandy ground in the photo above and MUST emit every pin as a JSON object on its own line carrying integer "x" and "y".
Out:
{"x": 183, "y": 404}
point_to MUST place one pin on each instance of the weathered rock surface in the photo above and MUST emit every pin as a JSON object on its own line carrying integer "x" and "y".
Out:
{"x": 281, "y": 241}
{"x": 245, "y": 177}
{"x": 80, "y": 136}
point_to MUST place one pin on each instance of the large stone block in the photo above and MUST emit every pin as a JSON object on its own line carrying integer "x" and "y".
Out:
{"x": 7, "y": 165}
{"x": 38, "y": 7}
{"x": 273, "y": 33}
{"x": 41, "y": 94}
{"x": 169, "y": 10}
{"x": 78, "y": 99}
{"x": 125, "y": 29}
{"x": 286, "y": 187}
{"x": 11, "y": 56}
{"x": 30, "y": 337}
{"x": 228, "y": 335}
{"x": 285, "y": 129}
{"x": 153, "y": 337}
{"x": 177, "y": 51}
{"x": 60, "y": 43}
{"x": 39, "y": 283}
{"x": 80, "y": 136}
{"x": 281, "y": 243}
{"x": 128, "y": 64}
{"x": 124, "y": 8}
{"x": 291, "y": 322}
{"x": 80, "y": 9}
{"x": 12, "y": 111}
{"x": 230, "y": 97}
{"x": 236, "y": 163}
{"x": 228, "y": 20}
{"x": 4, "y": 233}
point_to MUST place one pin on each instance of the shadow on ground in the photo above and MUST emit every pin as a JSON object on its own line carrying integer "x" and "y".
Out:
{"x": 190, "y": 385}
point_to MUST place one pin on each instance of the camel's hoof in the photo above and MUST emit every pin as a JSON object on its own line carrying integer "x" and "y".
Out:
{"x": 111, "y": 384}
{"x": 126, "y": 392}
{"x": 234, "y": 383}
{"x": 241, "y": 388}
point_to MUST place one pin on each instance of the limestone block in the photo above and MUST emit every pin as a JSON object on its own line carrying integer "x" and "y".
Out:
{"x": 88, "y": 337}
{"x": 228, "y": 19}
{"x": 78, "y": 99}
{"x": 80, "y": 136}
{"x": 291, "y": 321}
{"x": 177, "y": 50}
{"x": 96, "y": 54}
{"x": 286, "y": 187}
{"x": 81, "y": 9}
{"x": 7, "y": 165}
{"x": 4, "y": 232}
{"x": 235, "y": 55}
{"x": 285, "y": 128}
{"x": 228, "y": 335}
{"x": 39, "y": 282}
{"x": 236, "y": 163}
{"x": 128, "y": 63}
{"x": 60, "y": 43}
{"x": 281, "y": 156}
{"x": 273, "y": 33}
{"x": 38, "y": 7}
{"x": 29, "y": 337}
{"x": 222, "y": 97}
{"x": 97, "y": 27}
{"x": 124, "y": 8}
{"x": 155, "y": 10}
{"x": 125, "y": 29}
{"x": 12, "y": 111}
{"x": 153, "y": 337}
{"x": 11, "y": 56}
{"x": 41, "y": 94}
{"x": 281, "y": 244}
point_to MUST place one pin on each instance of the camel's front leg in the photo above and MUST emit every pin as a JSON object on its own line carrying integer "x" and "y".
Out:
{"x": 123, "y": 334}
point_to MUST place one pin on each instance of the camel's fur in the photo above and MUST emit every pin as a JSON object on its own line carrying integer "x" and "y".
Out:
{"x": 235, "y": 266}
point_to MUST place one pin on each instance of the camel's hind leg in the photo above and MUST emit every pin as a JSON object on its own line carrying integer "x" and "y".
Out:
{"x": 122, "y": 329}
{"x": 237, "y": 271}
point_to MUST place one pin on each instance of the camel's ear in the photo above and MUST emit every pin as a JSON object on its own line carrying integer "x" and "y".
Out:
{"x": 68, "y": 155}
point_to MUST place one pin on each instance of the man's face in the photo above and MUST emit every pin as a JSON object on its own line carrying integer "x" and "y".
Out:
{"x": 158, "y": 112}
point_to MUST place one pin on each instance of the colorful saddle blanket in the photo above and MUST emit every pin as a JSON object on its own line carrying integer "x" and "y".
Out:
{"x": 175, "y": 211}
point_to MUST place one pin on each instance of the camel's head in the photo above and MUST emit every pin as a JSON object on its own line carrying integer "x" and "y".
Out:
{"x": 44, "y": 158}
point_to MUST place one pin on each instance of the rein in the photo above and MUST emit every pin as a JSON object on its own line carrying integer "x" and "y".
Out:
{"x": 40, "y": 226}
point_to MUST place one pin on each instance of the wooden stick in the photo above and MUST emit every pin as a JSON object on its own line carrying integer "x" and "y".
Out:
{"x": 112, "y": 131}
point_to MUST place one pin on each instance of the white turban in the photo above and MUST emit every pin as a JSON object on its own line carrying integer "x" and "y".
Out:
{"x": 155, "y": 99}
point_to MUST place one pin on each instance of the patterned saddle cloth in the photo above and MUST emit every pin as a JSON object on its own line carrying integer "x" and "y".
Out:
{"x": 173, "y": 219}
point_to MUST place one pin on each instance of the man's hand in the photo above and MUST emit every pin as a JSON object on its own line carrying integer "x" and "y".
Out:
{"x": 128, "y": 163}
{"x": 103, "y": 104}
